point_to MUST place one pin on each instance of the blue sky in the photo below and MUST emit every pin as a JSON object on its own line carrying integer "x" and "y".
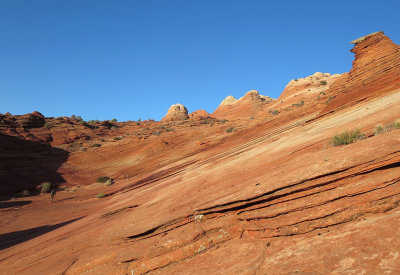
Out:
{"x": 130, "y": 59}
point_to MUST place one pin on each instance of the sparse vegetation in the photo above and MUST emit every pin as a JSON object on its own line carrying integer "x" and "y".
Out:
{"x": 109, "y": 182}
{"x": 323, "y": 82}
{"x": 45, "y": 187}
{"x": 96, "y": 145}
{"x": 347, "y": 137}
{"x": 274, "y": 112}
{"x": 114, "y": 120}
{"x": 329, "y": 100}
{"x": 299, "y": 104}
{"x": 103, "y": 179}
{"x": 118, "y": 138}
{"x": 223, "y": 121}
{"x": 100, "y": 195}
{"x": 230, "y": 129}
{"x": 387, "y": 128}
{"x": 25, "y": 193}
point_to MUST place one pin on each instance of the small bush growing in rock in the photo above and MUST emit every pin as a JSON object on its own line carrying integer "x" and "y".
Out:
{"x": 96, "y": 145}
{"x": 347, "y": 137}
{"x": 323, "y": 82}
{"x": 114, "y": 120}
{"x": 299, "y": 104}
{"x": 109, "y": 182}
{"x": 103, "y": 179}
{"x": 389, "y": 127}
{"x": 117, "y": 138}
{"x": 274, "y": 112}
{"x": 45, "y": 187}
{"x": 230, "y": 129}
{"x": 25, "y": 193}
{"x": 100, "y": 195}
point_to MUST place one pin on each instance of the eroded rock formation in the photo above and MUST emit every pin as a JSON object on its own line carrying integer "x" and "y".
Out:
{"x": 176, "y": 112}
{"x": 272, "y": 196}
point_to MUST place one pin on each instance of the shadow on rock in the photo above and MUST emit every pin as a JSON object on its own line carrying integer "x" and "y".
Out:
{"x": 13, "y": 238}
{"x": 26, "y": 164}
{"x": 8, "y": 204}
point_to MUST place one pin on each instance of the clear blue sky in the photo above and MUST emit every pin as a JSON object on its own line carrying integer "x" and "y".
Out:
{"x": 130, "y": 59}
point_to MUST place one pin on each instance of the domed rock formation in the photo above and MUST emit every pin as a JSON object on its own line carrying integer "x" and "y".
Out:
{"x": 247, "y": 106}
{"x": 175, "y": 113}
{"x": 199, "y": 115}
{"x": 303, "y": 90}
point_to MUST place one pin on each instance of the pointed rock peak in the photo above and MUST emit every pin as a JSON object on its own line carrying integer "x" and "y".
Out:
{"x": 367, "y": 36}
{"x": 228, "y": 101}
{"x": 176, "y": 112}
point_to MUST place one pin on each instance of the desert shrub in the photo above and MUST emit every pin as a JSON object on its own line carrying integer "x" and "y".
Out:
{"x": 387, "y": 128}
{"x": 25, "y": 193}
{"x": 379, "y": 129}
{"x": 96, "y": 145}
{"x": 73, "y": 116}
{"x": 230, "y": 129}
{"x": 100, "y": 195}
{"x": 323, "y": 82}
{"x": 274, "y": 112}
{"x": 109, "y": 182}
{"x": 103, "y": 179}
{"x": 299, "y": 104}
{"x": 347, "y": 137}
{"x": 157, "y": 133}
{"x": 329, "y": 100}
{"x": 114, "y": 120}
{"x": 45, "y": 187}
{"x": 83, "y": 149}
{"x": 117, "y": 138}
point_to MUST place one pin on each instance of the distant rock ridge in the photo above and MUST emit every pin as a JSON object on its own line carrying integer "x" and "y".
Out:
{"x": 175, "y": 113}
{"x": 248, "y": 105}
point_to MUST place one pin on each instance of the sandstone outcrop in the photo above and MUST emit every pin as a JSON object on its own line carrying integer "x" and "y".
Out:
{"x": 251, "y": 104}
{"x": 375, "y": 72}
{"x": 176, "y": 112}
{"x": 199, "y": 115}
{"x": 272, "y": 197}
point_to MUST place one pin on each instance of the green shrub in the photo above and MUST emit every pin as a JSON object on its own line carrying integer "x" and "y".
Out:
{"x": 347, "y": 137}
{"x": 103, "y": 179}
{"x": 329, "y": 100}
{"x": 299, "y": 104}
{"x": 117, "y": 138}
{"x": 274, "y": 112}
{"x": 230, "y": 129}
{"x": 96, "y": 145}
{"x": 114, "y": 120}
{"x": 45, "y": 187}
{"x": 223, "y": 121}
{"x": 323, "y": 82}
{"x": 100, "y": 195}
{"x": 25, "y": 193}
{"x": 389, "y": 127}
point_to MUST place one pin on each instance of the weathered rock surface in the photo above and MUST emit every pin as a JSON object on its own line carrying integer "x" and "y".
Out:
{"x": 176, "y": 112}
{"x": 199, "y": 115}
{"x": 251, "y": 104}
{"x": 272, "y": 197}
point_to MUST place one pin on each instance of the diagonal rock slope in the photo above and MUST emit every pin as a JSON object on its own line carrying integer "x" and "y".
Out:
{"x": 273, "y": 196}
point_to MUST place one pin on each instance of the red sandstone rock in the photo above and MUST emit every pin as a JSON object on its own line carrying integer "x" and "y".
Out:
{"x": 251, "y": 104}
{"x": 272, "y": 197}
{"x": 199, "y": 115}
{"x": 176, "y": 112}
